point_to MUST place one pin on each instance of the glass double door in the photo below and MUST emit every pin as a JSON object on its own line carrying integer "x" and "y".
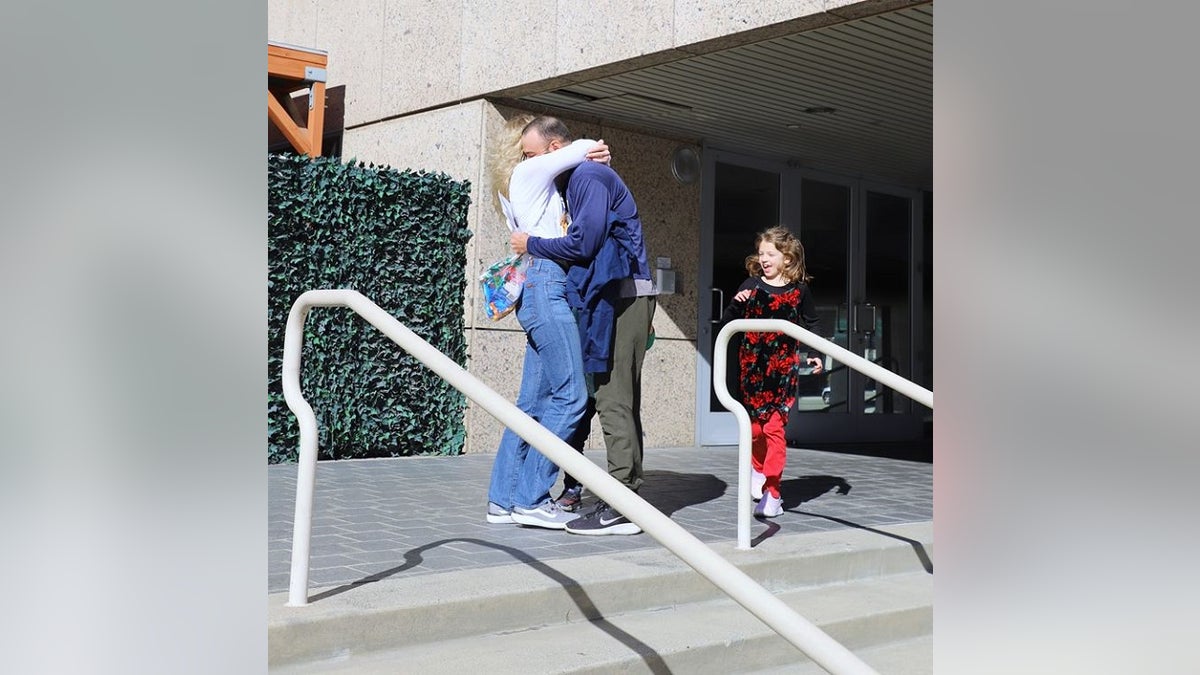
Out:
{"x": 866, "y": 247}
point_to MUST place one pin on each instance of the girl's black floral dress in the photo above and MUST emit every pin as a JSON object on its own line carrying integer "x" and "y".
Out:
{"x": 769, "y": 363}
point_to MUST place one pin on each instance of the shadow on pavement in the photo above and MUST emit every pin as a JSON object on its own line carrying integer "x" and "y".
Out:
{"x": 772, "y": 528}
{"x": 579, "y": 596}
{"x": 669, "y": 491}
{"x": 918, "y": 547}
{"x": 796, "y": 491}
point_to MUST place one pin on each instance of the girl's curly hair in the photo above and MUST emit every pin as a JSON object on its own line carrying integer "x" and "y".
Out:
{"x": 793, "y": 254}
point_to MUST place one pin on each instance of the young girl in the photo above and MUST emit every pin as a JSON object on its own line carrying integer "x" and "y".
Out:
{"x": 770, "y": 362}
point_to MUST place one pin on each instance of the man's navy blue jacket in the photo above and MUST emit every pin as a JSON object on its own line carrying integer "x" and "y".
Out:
{"x": 603, "y": 246}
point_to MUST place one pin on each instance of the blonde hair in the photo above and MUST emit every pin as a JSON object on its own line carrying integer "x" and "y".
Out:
{"x": 786, "y": 243}
{"x": 506, "y": 155}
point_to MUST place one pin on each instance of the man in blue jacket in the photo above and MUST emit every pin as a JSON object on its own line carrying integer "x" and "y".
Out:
{"x": 615, "y": 297}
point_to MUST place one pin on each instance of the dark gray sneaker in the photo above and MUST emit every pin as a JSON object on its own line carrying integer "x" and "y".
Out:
{"x": 603, "y": 520}
{"x": 569, "y": 500}
{"x": 548, "y": 515}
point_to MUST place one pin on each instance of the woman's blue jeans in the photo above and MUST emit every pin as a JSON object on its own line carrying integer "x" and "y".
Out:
{"x": 553, "y": 390}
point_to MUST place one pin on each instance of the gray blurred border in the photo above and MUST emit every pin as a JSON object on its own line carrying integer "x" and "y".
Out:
{"x": 1065, "y": 231}
{"x": 132, "y": 250}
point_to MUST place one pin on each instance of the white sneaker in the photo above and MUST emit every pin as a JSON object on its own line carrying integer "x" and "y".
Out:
{"x": 548, "y": 515}
{"x": 498, "y": 515}
{"x": 769, "y": 507}
{"x": 757, "y": 480}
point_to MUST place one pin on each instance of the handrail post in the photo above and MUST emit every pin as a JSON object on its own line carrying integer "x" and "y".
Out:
{"x": 744, "y": 505}
{"x": 840, "y": 354}
{"x": 306, "y": 474}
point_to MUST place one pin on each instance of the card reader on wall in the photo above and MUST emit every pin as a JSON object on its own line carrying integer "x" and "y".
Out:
{"x": 665, "y": 280}
{"x": 664, "y": 276}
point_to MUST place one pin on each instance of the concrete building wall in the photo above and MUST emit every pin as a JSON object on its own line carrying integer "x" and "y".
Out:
{"x": 400, "y": 56}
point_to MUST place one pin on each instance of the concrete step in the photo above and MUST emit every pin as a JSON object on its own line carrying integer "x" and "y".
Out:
{"x": 716, "y": 636}
{"x": 903, "y": 657}
{"x": 424, "y": 619}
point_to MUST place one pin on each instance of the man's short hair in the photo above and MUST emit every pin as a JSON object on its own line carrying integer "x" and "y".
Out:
{"x": 550, "y": 128}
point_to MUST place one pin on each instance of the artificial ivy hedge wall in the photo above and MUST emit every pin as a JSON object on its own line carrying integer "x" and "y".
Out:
{"x": 397, "y": 237}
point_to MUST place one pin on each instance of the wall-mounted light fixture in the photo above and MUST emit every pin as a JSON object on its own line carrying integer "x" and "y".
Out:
{"x": 685, "y": 165}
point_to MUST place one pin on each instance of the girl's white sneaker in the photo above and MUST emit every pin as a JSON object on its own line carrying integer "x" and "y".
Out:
{"x": 757, "y": 480}
{"x": 769, "y": 506}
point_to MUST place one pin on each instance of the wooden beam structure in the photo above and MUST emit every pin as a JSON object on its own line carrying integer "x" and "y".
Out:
{"x": 289, "y": 69}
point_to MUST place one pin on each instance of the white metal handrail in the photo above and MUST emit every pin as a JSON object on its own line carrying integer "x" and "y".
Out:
{"x": 807, "y": 637}
{"x": 840, "y": 354}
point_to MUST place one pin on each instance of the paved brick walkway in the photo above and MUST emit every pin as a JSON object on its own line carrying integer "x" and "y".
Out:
{"x": 377, "y": 518}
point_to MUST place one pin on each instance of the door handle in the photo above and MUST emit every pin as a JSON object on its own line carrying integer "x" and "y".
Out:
{"x": 716, "y": 316}
{"x": 860, "y": 318}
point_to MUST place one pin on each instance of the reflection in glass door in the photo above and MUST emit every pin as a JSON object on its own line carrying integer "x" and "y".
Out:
{"x": 883, "y": 316}
{"x": 826, "y": 213}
